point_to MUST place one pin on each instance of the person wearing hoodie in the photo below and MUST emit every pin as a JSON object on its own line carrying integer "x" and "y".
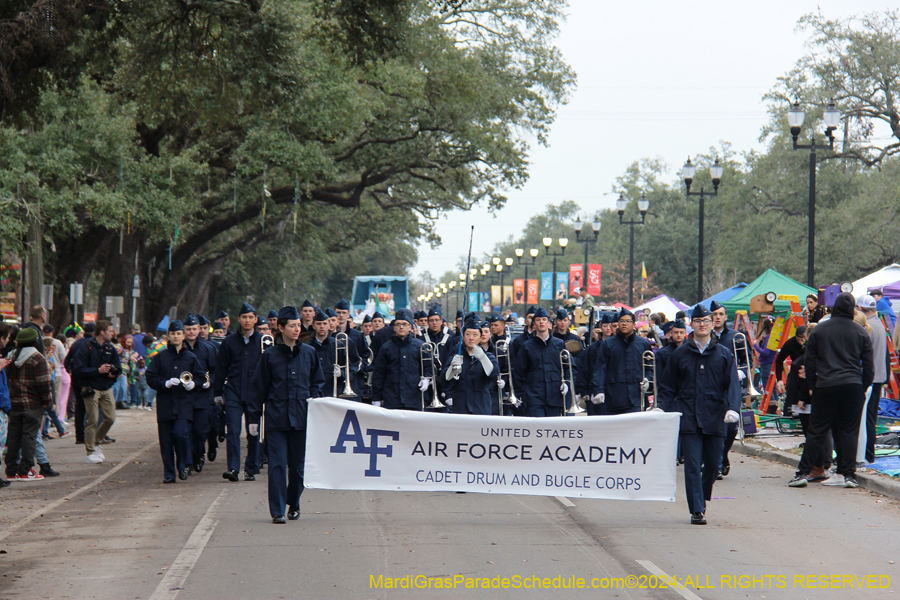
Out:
{"x": 839, "y": 366}
{"x": 30, "y": 393}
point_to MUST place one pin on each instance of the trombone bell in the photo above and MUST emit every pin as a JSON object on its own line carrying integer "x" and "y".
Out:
{"x": 742, "y": 362}
{"x": 565, "y": 361}
{"x": 342, "y": 341}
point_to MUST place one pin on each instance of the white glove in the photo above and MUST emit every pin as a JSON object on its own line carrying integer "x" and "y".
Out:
{"x": 732, "y": 417}
{"x": 598, "y": 398}
{"x": 478, "y": 353}
{"x": 337, "y": 371}
{"x": 564, "y": 389}
{"x": 501, "y": 384}
{"x": 645, "y": 384}
{"x": 220, "y": 400}
{"x": 205, "y": 385}
{"x": 449, "y": 402}
{"x": 376, "y": 402}
{"x": 253, "y": 429}
{"x": 455, "y": 369}
{"x": 656, "y": 409}
{"x": 189, "y": 385}
{"x": 424, "y": 383}
{"x": 172, "y": 382}
{"x": 741, "y": 375}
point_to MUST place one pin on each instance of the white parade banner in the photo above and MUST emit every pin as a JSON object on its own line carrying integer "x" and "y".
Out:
{"x": 354, "y": 446}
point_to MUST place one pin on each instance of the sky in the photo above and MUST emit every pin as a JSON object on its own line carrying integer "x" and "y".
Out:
{"x": 656, "y": 79}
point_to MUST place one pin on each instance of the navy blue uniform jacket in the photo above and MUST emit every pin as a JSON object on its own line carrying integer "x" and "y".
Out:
{"x": 235, "y": 366}
{"x": 284, "y": 382}
{"x": 396, "y": 373}
{"x": 325, "y": 352}
{"x": 537, "y": 372}
{"x": 474, "y": 393}
{"x": 175, "y": 402}
{"x": 207, "y": 357}
{"x": 702, "y": 387}
{"x": 617, "y": 371}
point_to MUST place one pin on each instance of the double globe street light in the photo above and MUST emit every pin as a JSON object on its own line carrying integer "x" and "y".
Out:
{"x": 587, "y": 240}
{"x": 563, "y": 242}
{"x": 715, "y": 172}
{"x": 643, "y": 206}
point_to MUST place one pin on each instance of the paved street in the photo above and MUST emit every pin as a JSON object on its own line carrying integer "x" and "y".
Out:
{"x": 129, "y": 536}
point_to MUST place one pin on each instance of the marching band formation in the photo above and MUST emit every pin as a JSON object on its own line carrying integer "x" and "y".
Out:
{"x": 210, "y": 387}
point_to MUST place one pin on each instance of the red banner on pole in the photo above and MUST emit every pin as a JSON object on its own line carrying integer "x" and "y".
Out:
{"x": 575, "y": 277}
{"x": 532, "y": 291}
{"x": 518, "y": 291}
{"x": 593, "y": 281}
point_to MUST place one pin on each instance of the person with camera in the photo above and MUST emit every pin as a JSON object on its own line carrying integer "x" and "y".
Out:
{"x": 97, "y": 367}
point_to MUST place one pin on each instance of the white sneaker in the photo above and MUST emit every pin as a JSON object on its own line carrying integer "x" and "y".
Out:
{"x": 99, "y": 451}
{"x": 836, "y": 480}
{"x": 93, "y": 459}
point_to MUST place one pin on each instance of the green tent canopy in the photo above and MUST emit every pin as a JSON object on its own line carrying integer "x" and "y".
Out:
{"x": 770, "y": 281}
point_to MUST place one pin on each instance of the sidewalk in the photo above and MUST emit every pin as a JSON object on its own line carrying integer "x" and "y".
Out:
{"x": 874, "y": 482}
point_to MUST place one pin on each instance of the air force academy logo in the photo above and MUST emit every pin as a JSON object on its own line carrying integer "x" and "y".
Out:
{"x": 352, "y": 432}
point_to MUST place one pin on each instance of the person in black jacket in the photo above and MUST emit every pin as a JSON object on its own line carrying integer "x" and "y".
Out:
{"x": 324, "y": 345}
{"x": 398, "y": 380}
{"x": 204, "y": 398}
{"x": 76, "y": 387}
{"x": 97, "y": 366}
{"x": 839, "y": 366}
{"x": 537, "y": 373}
{"x": 288, "y": 376}
{"x": 471, "y": 377}
{"x": 175, "y": 401}
{"x": 701, "y": 382}
{"x": 617, "y": 376}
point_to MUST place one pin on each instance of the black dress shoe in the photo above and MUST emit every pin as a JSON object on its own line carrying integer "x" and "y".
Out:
{"x": 211, "y": 454}
{"x": 719, "y": 476}
{"x": 230, "y": 475}
{"x": 198, "y": 467}
{"x": 249, "y": 477}
{"x": 168, "y": 480}
{"x": 183, "y": 474}
{"x": 221, "y": 439}
{"x": 726, "y": 470}
{"x": 279, "y": 519}
{"x": 698, "y": 519}
{"x": 4, "y": 483}
{"x": 293, "y": 513}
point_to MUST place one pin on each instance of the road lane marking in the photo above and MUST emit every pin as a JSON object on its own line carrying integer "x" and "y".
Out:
{"x": 565, "y": 501}
{"x": 178, "y": 572}
{"x": 42, "y": 511}
{"x": 683, "y": 592}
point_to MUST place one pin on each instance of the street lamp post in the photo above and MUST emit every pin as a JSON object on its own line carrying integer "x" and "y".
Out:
{"x": 832, "y": 118}
{"x": 520, "y": 257}
{"x": 563, "y": 242}
{"x": 688, "y": 171}
{"x": 643, "y": 205}
{"x": 587, "y": 241}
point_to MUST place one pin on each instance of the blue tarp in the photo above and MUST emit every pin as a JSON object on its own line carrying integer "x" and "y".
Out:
{"x": 723, "y": 296}
{"x": 888, "y": 408}
{"x": 164, "y": 324}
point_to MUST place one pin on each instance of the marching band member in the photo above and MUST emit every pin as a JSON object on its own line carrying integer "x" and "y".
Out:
{"x": 519, "y": 340}
{"x": 421, "y": 318}
{"x": 397, "y": 378}
{"x": 676, "y": 332}
{"x": 366, "y": 329}
{"x": 205, "y": 409}
{"x": 700, "y": 381}
{"x": 307, "y": 312}
{"x": 288, "y": 375}
{"x": 437, "y": 333}
{"x": 377, "y": 322}
{"x": 617, "y": 374}
{"x": 262, "y": 326}
{"x": 174, "y": 401}
{"x": 223, "y": 318}
{"x": 272, "y": 320}
{"x": 537, "y": 372}
{"x": 332, "y": 320}
{"x": 203, "y": 320}
{"x": 471, "y": 377}
{"x": 725, "y": 337}
{"x": 237, "y": 360}
{"x": 342, "y": 308}
{"x": 382, "y": 334}
{"x": 324, "y": 345}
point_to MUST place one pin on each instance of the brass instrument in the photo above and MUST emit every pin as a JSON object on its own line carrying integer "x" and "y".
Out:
{"x": 342, "y": 341}
{"x": 185, "y": 377}
{"x": 742, "y": 350}
{"x": 265, "y": 341}
{"x": 306, "y": 336}
{"x": 648, "y": 367}
{"x": 565, "y": 361}
{"x": 427, "y": 355}
{"x": 502, "y": 347}
{"x": 574, "y": 347}
{"x": 208, "y": 380}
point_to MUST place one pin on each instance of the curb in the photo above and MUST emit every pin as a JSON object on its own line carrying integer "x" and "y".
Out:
{"x": 874, "y": 483}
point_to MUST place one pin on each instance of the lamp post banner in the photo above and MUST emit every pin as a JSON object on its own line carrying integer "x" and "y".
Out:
{"x": 593, "y": 279}
{"x": 532, "y": 291}
{"x": 546, "y": 286}
{"x": 354, "y": 446}
{"x": 575, "y": 277}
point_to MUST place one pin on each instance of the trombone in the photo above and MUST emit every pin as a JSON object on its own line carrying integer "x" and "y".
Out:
{"x": 342, "y": 342}
{"x": 565, "y": 361}
{"x": 502, "y": 347}
{"x": 427, "y": 354}
{"x": 648, "y": 367}
{"x": 742, "y": 350}
{"x": 266, "y": 341}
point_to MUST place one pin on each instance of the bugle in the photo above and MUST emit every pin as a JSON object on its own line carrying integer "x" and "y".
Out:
{"x": 342, "y": 342}
{"x": 185, "y": 377}
{"x": 742, "y": 362}
{"x": 266, "y": 341}
{"x": 427, "y": 355}
{"x": 648, "y": 367}
{"x": 565, "y": 362}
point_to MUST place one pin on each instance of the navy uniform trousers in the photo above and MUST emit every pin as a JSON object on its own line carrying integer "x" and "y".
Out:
{"x": 702, "y": 457}
{"x": 235, "y": 412}
{"x": 174, "y": 445}
{"x": 200, "y": 432}
{"x": 287, "y": 451}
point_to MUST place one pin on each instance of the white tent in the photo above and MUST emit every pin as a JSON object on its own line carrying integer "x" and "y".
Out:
{"x": 879, "y": 278}
{"x": 664, "y": 304}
